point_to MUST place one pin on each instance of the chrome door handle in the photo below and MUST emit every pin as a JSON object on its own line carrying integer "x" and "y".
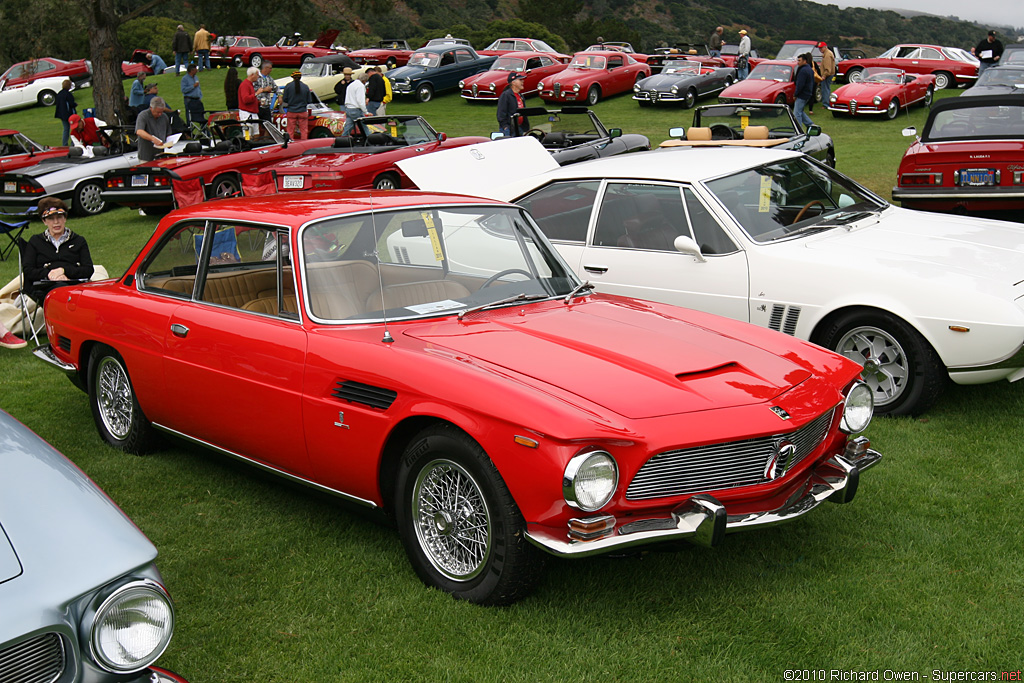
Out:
{"x": 596, "y": 269}
{"x": 179, "y": 330}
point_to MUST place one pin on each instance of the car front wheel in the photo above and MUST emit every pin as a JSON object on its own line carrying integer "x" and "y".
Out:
{"x": 460, "y": 527}
{"x": 593, "y": 95}
{"x": 893, "y": 109}
{"x": 929, "y": 96}
{"x": 425, "y": 93}
{"x": 115, "y": 409}
{"x": 902, "y": 369}
{"x": 690, "y": 99}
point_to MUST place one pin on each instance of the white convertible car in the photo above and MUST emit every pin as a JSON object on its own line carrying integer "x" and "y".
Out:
{"x": 40, "y": 91}
{"x": 780, "y": 240}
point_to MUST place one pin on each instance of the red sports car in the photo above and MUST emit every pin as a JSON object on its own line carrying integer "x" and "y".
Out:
{"x": 503, "y": 46}
{"x": 431, "y": 357}
{"x": 78, "y": 71}
{"x": 489, "y": 85}
{"x": 246, "y": 50}
{"x": 770, "y": 82}
{"x": 19, "y": 151}
{"x": 882, "y": 91}
{"x": 366, "y": 159}
{"x": 390, "y": 53}
{"x": 968, "y": 157}
{"x": 592, "y": 75}
{"x": 949, "y": 66}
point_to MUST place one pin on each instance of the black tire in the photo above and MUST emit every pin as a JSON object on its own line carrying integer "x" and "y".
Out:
{"x": 780, "y": 98}
{"x": 47, "y": 98}
{"x": 238, "y": 62}
{"x": 893, "y": 110}
{"x": 321, "y": 132}
{"x": 115, "y": 408}
{"x": 425, "y": 92}
{"x": 901, "y": 367}
{"x": 391, "y": 63}
{"x": 225, "y": 186}
{"x": 929, "y": 96}
{"x": 87, "y": 200}
{"x": 854, "y": 75}
{"x": 305, "y": 58}
{"x": 729, "y": 80}
{"x": 256, "y": 60}
{"x": 387, "y": 181}
{"x": 593, "y": 95}
{"x": 690, "y": 99}
{"x": 505, "y": 566}
{"x": 944, "y": 80}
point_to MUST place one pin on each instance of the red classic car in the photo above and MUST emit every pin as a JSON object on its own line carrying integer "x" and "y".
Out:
{"x": 430, "y": 356}
{"x": 503, "y": 46}
{"x": 490, "y": 84}
{"x": 949, "y": 66}
{"x": 19, "y": 151}
{"x": 148, "y": 185}
{"x": 968, "y": 158}
{"x": 618, "y": 47}
{"x": 246, "y": 50}
{"x": 78, "y": 71}
{"x": 390, "y": 53}
{"x": 882, "y": 91}
{"x": 592, "y": 75}
{"x": 693, "y": 52}
{"x": 366, "y": 159}
{"x": 770, "y": 82}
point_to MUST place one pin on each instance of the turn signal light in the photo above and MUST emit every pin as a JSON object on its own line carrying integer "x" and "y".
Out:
{"x": 589, "y": 528}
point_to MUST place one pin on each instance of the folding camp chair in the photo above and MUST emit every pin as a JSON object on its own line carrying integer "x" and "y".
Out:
{"x": 13, "y": 232}
{"x": 29, "y": 307}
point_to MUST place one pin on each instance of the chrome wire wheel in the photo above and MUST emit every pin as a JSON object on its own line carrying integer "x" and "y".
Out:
{"x": 114, "y": 397}
{"x": 451, "y": 519}
{"x": 886, "y": 367}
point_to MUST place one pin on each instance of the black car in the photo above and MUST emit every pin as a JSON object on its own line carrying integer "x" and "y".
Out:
{"x": 434, "y": 69}
{"x": 575, "y": 134}
{"x": 682, "y": 82}
{"x": 1007, "y": 79}
{"x": 761, "y": 125}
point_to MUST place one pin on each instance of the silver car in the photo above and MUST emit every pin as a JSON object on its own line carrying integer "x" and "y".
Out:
{"x": 80, "y": 597}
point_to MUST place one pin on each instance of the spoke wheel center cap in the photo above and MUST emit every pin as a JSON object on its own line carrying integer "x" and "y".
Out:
{"x": 444, "y": 523}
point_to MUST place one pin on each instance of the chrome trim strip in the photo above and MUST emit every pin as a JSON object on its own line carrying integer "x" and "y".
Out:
{"x": 264, "y": 466}
{"x": 1014, "y": 360}
{"x": 980, "y": 194}
{"x": 699, "y": 519}
{"x": 45, "y": 353}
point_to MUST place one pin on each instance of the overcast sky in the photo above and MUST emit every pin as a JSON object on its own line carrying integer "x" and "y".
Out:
{"x": 1005, "y": 12}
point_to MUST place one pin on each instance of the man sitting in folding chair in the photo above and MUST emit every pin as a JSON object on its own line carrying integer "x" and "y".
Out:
{"x": 55, "y": 257}
{"x": 193, "y": 94}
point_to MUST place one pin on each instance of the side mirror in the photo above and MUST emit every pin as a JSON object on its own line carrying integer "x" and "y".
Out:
{"x": 686, "y": 245}
{"x": 441, "y": 137}
{"x": 677, "y": 132}
{"x": 813, "y": 130}
{"x": 615, "y": 133}
{"x": 909, "y": 132}
{"x": 497, "y": 135}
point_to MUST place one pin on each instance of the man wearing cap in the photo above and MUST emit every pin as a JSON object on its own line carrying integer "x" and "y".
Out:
{"x": 828, "y": 71}
{"x": 355, "y": 103}
{"x": 743, "y": 56}
{"x": 266, "y": 90}
{"x": 511, "y": 99}
{"x": 988, "y": 52}
{"x": 84, "y": 132}
{"x": 296, "y": 97}
{"x": 341, "y": 86}
{"x": 180, "y": 46}
{"x": 152, "y": 128}
{"x": 193, "y": 96}
{"x": 137, "y": 95}
{"x": 374, "y": 91}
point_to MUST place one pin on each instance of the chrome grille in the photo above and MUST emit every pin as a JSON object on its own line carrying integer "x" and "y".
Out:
{"x": 723, "y": 465}
{"x": 557, "y": 89}
{"x": 37, "y": 660}
{"x": 475, "y": 89}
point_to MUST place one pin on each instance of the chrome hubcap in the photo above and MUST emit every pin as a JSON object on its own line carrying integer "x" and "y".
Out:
{"x": 114, "y": 394}
{"x": 451, "y": 519}
{"x": 90, "y": 199}
{"x": 886, "y": 368}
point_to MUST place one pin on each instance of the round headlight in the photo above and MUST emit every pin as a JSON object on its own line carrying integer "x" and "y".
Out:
{"x": 589, "y": 481}
{"x": 675, "y": 89}
{"x": 858, "y": 409}
{"x": 833, "y": 97}
{"x": 636, "y": 87}
{"x": 491, "y": 87}
{"x": 877, "y": 100}
{"x": 462, "y": 84}
{"x": 576, "y": 88}
{"x": 132, "y": 627}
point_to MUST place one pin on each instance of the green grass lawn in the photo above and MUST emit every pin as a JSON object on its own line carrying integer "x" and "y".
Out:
{"x": 275, "y": 583}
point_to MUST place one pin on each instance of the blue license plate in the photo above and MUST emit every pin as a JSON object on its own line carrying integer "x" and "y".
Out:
{"x": 978, "y": 176}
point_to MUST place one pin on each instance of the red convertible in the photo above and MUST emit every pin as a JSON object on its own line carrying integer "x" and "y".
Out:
{"x": 503, "y": 46}
{"x": 19, "y": 151}
{"x": 489, "y": 85}
{"x": 882, "y": 91}
{"x": 431, "y": 357}
{"x": 78, "y": 71}
{"x": 770, "y": 82}
{"x": 968, "y": 157}
{"x": 592, "y": 75}
{"x": 949, "y": 66}
{"x": 391, "y": 53}
{"x": 243, "y": 50}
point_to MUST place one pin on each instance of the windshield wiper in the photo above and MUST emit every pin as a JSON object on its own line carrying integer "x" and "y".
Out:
{"x": 578, "y": 289}
{"x": 522, "y": 296}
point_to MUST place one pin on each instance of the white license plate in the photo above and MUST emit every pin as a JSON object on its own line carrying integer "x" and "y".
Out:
{"x": 292, "y": 182}
{"x": 140, "y": 180}
{"x": 10, "y": 188}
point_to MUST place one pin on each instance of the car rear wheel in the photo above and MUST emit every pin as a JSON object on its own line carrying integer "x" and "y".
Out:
{"x": 593, "y": 95}
{"x": 854, "y": 75}
{"x": 690, "y": 99}
{"x": 47, "y": 98}
{"x": 893, "y": 109}
{"x": 387, "y": 181}
{"x": 320, "y": 132}
{"x": 900, "y": 366}
{"x": 425, "y": 92}
{"x": 256, "y": 60}
{"x": 87, "y": 200}
{"x": 459, "y": 525}
{"x": 115, "y": 408}
{"x": 943, "y": 80}
{"x": 391, "y": 63}
{"x": 305, "y": 58}
{"x": 226, "y": 186}
{"x": 929, "y": 96}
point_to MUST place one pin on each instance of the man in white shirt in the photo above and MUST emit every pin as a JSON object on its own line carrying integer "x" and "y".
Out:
{"x": 743, "y": 56}
{"x": 355, "y": 103}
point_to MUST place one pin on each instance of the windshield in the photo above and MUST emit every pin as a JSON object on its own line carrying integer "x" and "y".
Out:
{"x": 772, "y": 72}
{"x": 541, "y": 46}
{"x": 1002, "y": 77}
{"x": 17, "y": 144}
{"x": 509, "y": 64}
{"x": 989, "y": 122}
{"x": 588, "y": 62}
{"x": 427, "y": 262}
{"x": 428, "y": 59}
{"x": 777, "y": 200}
{"x": 794, "y": 50}
{"x": 738, "y": 116}
{"x": 1015, "y": 57}
{"x": 569, "y": 125}
{"x": 312, "y": 69}
{"x": 680, "y": 66}
{"x": 880, "y": 75}
{"x": 413, "y": 131}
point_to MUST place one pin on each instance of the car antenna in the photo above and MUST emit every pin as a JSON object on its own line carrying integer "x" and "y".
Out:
{"x": 388, "y": 339}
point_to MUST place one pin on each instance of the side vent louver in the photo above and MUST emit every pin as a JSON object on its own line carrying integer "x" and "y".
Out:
{"x": 784, "y": 319}
{"x": 64, "y": 343}
{"x": 792, "y": 315}
{"x": 357, "y": 392}
{"x": 775, "y": 322}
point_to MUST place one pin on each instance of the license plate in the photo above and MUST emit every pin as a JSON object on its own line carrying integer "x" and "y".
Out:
{"x": 977, "y": 176}
{"x": 292, "y": 182}
{"x": 10, "y": 188}
{"x": 140, "y": 180}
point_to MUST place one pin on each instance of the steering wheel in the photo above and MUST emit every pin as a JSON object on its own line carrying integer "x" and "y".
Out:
{"x": 508, "y": 271}
{"x": 536, "y": 133}
{"x": 800, "y": 214}
{"x": 721, "y": 131}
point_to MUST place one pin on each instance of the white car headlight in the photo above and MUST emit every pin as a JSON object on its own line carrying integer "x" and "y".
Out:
{"x": 576, "y": 88}
{"x": 589, "y": 481}
{"x": 132, "y": 627}
{"x": 857, "y": 409}
{"x": 462, "y": 84}
{"x": 491, "y": 87}
{"x": 833, "y": 97}
{"x": 636, "y": 87}
{"x": 877, "y": 100}
{"x": 675, "y": 89}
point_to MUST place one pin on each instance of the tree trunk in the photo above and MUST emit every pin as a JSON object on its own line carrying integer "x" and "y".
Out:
{"x": 105, "y": 53}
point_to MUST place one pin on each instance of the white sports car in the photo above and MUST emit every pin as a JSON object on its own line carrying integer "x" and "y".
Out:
{"x": 780, "y": 240}
{"x": 40, "y": 91}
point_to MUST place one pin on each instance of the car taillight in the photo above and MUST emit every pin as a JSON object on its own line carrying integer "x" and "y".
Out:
{"x": 1018, "y": 177}
{"x": 114, "y": 183}
{"x": 160, "y": 181}
{"x": 921, "y": 179}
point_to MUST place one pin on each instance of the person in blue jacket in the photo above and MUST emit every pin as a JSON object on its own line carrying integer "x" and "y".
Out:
{"x": 804, "y": 88}
{"x": 511, "y": 99}
{"x": 65, "y": 107}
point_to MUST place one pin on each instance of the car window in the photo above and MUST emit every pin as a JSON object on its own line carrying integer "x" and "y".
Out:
{"x": 241, "y": 268}
{"x": 533, "y": 63}
{"x": 545, "y": 61}
{"x": 44, "y": 66}
{"x": 929, "y": 53}
{"x": 709, "y": 235}
{"x": 562, "y": 209}
{"x": 1002, "y": 121}
{"x": 171, "y": 268}
{"x": 906, "y": 52}
{"x": 522, "y": 46}
{"x": 447, "y": 58}
{"x": 641, "y": 216}
{"x": 614, "y": 62}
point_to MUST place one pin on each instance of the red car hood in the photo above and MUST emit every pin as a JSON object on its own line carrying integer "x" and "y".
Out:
{"x": 326, "y": 39}
{"x": 657, "y": 367}
{"x": 754, "y": 89}
{"x": 486, "y": 78}
{"x": 966, "y": 153}
{"x": 863, "y": 92}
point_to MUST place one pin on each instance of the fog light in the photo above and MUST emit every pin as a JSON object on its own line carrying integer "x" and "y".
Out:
{"x": 132, "y": 627}
{"x": 856, "y": 448}
{"x": 589, "y": 481}
{"x": 858, "y": 409}
{"x": 590, "y": 528}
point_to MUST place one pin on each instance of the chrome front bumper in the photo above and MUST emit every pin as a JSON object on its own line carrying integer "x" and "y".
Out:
{"x": 703, "y": 520}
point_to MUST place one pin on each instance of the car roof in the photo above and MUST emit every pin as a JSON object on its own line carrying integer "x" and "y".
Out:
{"x": 438, "y": 49}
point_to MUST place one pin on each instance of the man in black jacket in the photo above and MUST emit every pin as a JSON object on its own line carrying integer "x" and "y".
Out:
{"x": 988, "y": 52}
{"x": 375, "y": 91}
{"x": 509, "y": 102}
{"x": 180, "y": 45}
{"x": 66, "y": 106}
